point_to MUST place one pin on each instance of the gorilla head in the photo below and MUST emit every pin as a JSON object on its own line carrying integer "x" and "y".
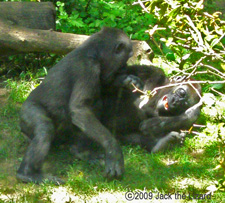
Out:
{"x": 176, "y": 100}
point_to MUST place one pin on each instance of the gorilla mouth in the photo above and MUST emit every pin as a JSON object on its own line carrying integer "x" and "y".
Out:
{"x": 165, "y": 103}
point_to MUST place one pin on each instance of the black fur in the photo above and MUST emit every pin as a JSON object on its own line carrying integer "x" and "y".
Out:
{"x": 70, "y": 101}
{"x": 152, "y": 126}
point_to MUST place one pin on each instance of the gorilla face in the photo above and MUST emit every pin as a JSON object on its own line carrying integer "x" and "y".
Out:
{"x": 175, "y": 101}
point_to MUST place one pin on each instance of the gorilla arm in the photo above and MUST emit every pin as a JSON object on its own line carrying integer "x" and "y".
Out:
{"x": 160, "y": 126}
{"x": 81, "y": 108}
{"x": 164, "y": 131}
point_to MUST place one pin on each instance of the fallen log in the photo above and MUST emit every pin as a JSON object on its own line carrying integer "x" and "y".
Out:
{"x": 34, "y": 15}
{"x": 27, "y": 27}
{"x": 16, "y": 39}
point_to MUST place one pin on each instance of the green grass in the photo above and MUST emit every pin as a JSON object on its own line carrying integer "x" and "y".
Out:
{"x": 185, "y": 170}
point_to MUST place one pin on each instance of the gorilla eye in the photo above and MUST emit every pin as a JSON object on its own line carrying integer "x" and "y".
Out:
{"x": 119, "y": 48}
{"x": 181, "y": 92}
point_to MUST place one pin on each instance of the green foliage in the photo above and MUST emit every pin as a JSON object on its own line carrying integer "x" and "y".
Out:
{"x": 86, "y": 17}
{"x": 27, "y": 66}
{"x": 214, "y": 109}
{"x": 19, "y": 90}
{"x": 214, "y": 112}
{"x": 187, "y": 33}
{"x": 192, "y": 43}
{"x": 184, "y": 36}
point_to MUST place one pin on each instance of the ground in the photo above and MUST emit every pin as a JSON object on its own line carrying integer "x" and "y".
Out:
{"x": 187, "y": 170}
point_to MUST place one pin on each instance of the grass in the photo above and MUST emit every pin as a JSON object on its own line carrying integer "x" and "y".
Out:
{"x": 185, "y": 170}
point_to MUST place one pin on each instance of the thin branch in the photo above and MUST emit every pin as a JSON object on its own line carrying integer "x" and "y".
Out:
{"x": 195, "y": 106}
{"x": 138, "y": 90}
{"x": 200, "y": 42}
{"x": 186, "y": 83}
{"x": 158, "y": 46}
{"x": 139, "y": 3}
{"x": 209, "y": 71}
{"x": 195, "y": 72}
{"x": 195, "y": 66}
{"x": 197, "y": 92}
{"x": 214, "y": 69}
{"x": 199, "y": 126}
{"x": 221, "y": 37}
{"x": 154, "y": 91}
{"x": 202, "y": 72}
{"x": 195, "y": 133}
{"x": 182, "y": 45}
{"x": 183, "y": 72}
{"x": 143, "y": 6}
{"x": 219, "y": 93}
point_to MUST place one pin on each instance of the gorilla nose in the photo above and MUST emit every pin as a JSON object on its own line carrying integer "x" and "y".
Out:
{"x": 173, "y": 100}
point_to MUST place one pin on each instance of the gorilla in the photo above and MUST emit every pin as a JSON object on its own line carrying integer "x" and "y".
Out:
{"x": 156, "y": 126}
{"x": 70, "y": 101}
{"x": 158, "y": 123}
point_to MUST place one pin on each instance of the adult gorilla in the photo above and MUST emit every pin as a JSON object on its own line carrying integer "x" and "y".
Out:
{"x": 69, "y": 101}
{"x": 157, "y": 124}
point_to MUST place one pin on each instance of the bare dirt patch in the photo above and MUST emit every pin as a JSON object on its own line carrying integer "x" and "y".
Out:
{"x": 3, "y": 94}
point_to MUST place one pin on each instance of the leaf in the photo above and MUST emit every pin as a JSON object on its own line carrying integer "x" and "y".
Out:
{"x": 78, "y": 23}
{"x": 210, "y": 37}
{"x": 212, "y": 188}
{"x": 163, "y": 39}
{"x": 209, "y": 99}
{"x": 169, "y": 41}
{"x": 152, "y": 31}
{"x": 217, "y": 86}
{"x": 223, "y": 66}
{"x": 186, "y": 56}
{"x": 214, "y": 42}
{"x": 98, "y": 23}
{"x": 199, "y": 5}
{"x": 170, "y": 56}
{"x": 144, "y": 101}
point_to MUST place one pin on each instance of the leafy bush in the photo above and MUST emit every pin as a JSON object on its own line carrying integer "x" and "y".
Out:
{"x": 85, "y": 17}
{"x": 191, "y": 43}
{"x": 187, "y": 33}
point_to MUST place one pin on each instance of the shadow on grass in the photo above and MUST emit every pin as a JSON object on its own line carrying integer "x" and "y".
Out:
{"x": 142, "y": 170}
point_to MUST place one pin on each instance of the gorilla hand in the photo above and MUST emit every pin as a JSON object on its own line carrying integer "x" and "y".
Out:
{"x": 127, "y": 81}
{"x": 131, "y": 80}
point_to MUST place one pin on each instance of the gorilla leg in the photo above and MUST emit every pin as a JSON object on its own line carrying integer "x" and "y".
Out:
{"x": 169, "y": 140}
{"x": 153, "y": 144}
{"x": 40, "y": 129}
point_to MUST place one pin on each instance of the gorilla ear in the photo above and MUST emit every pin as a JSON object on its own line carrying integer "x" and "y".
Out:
{"x": 119, "y": 47}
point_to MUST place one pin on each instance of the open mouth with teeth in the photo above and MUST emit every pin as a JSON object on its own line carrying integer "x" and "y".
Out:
{"x": 165, "y": 103}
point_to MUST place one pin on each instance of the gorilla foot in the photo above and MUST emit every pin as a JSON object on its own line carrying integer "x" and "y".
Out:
{"x": 39, "y": 178}
{"x": 172, "y": 138}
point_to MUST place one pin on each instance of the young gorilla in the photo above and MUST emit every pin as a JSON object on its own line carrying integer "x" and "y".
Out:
{"x": 156, "y": 125}
{"x": 69, "y": 101}
{"x": 153, "y": 126}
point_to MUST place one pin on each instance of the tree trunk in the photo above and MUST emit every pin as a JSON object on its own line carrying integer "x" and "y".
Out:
{"x": 32, "y": 15}
{"x": 16, "y": 39}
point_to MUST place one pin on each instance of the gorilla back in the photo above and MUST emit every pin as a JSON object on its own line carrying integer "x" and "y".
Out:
{"x": 70, "y": 98}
